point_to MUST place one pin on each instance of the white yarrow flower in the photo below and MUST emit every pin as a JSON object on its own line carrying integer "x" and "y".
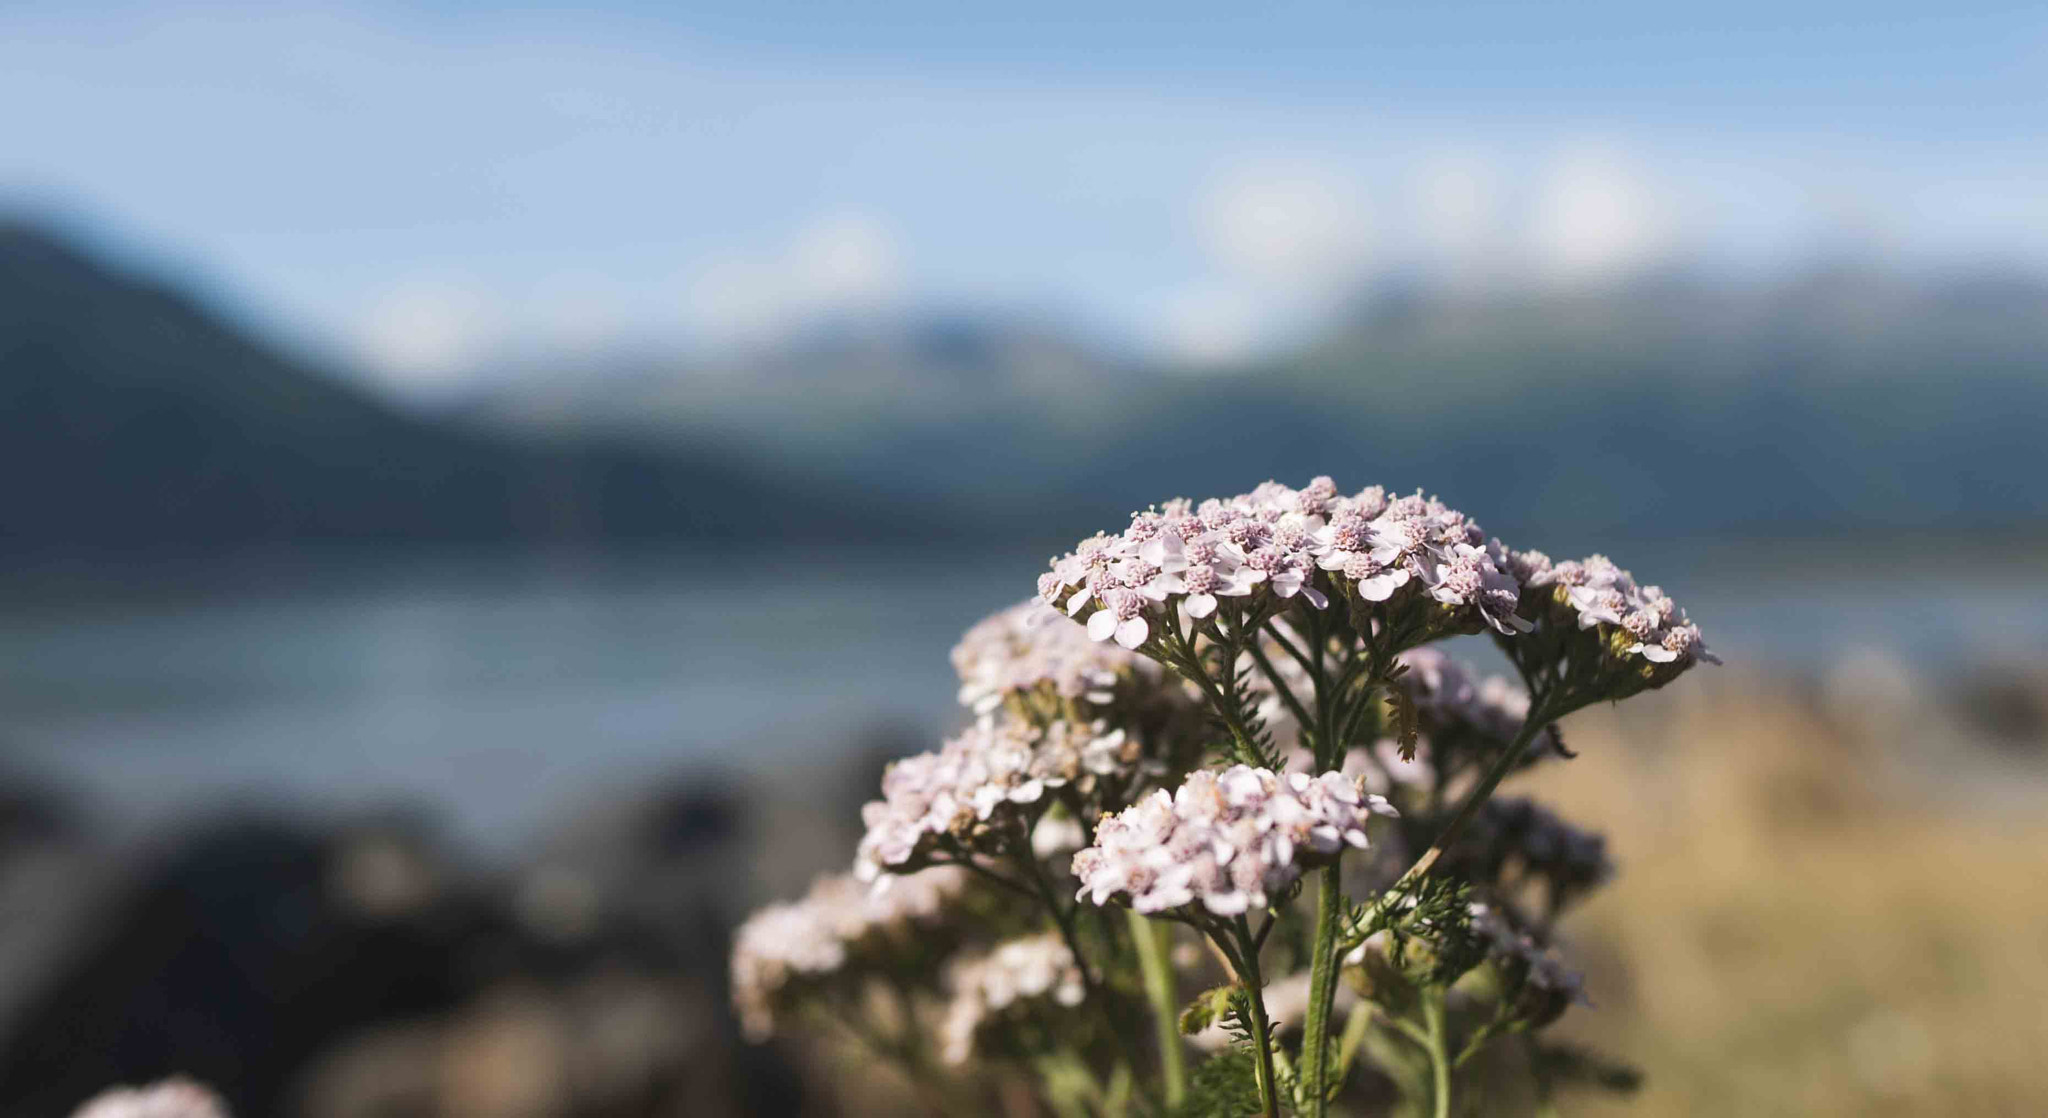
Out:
{"x": 1228, "y": 840}
{"x": 1016, "y": 973}
{"x": 172, "y": 1098}
{"x": 813, "y": 938}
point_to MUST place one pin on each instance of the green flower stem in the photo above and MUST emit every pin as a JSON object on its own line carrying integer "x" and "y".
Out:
{"x": 1062, "y": 916}
{"x": 1300, "y": 657}
{"x": 1238, "y": 946}
{"x": 1285, "y": 692}
{"x": 1154, "y": 940}
{"x": 1262, "y": 1029}
{"x": 1322, "y": 991}
{"x": 1069, "y": 1087}
{"x": 1355, "y": 1028}
{"x": 1093, "y": 993}
{"x": 1330, "y": 905}
{"x": 1189, "y": 664}
{"x": 1439, "y": 1056}
{"x": 934, "y": 1093}
{"x": 1539, "y": 717}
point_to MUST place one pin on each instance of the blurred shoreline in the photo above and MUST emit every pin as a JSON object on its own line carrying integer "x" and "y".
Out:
{"x": 495, "y": 683}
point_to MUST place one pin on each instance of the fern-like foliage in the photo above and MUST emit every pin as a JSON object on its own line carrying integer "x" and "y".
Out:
{"x": 1225, "y": 1085}
{"x": 1239, "y": 691}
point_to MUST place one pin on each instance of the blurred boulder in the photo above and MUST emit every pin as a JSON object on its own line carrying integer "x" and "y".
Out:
{"x": 232, "y": 953}
{"x": 363, "y": 969}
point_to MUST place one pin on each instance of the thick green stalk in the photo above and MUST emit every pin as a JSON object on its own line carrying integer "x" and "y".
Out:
{"x": 1322, "y": 991}
{"x": 1322, "y": 995}
{"x": 1155, "y": 950}
{"x": 1439, "y": 1055}
{"x": 1355, "y": 1028}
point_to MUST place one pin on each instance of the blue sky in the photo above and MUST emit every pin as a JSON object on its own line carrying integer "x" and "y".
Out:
{"x": 427, "y": 190}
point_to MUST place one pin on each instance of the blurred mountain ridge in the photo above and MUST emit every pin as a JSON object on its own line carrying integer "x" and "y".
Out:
{"x": 132, "y": 415}
{"x": 1845, "y": 403}
{"x": 1844, "y": 400}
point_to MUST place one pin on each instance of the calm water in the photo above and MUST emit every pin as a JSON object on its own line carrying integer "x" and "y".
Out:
{"x": 496, "y": 689}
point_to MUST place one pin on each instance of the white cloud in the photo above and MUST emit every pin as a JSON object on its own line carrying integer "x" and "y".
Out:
{"x": 736, "y": 297}
{"x": 1455, "y": 202}
{"x": 846, "y": 260}
{"x": 839, "y": 263}
{"x": 577, "y": 312}
{"x": 1285, "y": 224}
{"x": 1204, "y": 327}
{"x": 426, "y": 334}
{"x": 1596, "y": 214}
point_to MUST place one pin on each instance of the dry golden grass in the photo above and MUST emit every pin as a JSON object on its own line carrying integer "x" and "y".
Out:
{"x": 1793, "y": 932}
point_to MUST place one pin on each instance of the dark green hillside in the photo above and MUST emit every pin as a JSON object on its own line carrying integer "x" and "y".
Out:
{"x": 130, "y": 415}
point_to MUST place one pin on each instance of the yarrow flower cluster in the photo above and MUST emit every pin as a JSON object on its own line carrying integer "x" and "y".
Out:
{"x": 995, "y": 767}
{"x": 812, "y": 938}
{"x": 172, "y": 1098}
{"x": 1028, "y": 650}
{"x": 1285, "y": 633}
{"x": 1274, "y": 545}
{"x": 1644, "y": 620}
{"x": 1015, "y": 972}
{"x": 1228, "y": 840}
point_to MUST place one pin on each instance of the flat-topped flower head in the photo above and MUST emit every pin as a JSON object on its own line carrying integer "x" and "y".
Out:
{"x": 1225, "y": 842}
{"x": 1014, "y": 978}
{"x": 1411, "y": 565}
{"x": 172, "y": 1098}
{"x": 966, "y": 793}
{"x": 1635, "y": 636}
{"x": 1029, "y": 652}
{"x": 784, "y": 946}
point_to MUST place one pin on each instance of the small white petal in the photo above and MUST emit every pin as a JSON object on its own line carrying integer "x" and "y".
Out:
{"x": 1227, "y": 904}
